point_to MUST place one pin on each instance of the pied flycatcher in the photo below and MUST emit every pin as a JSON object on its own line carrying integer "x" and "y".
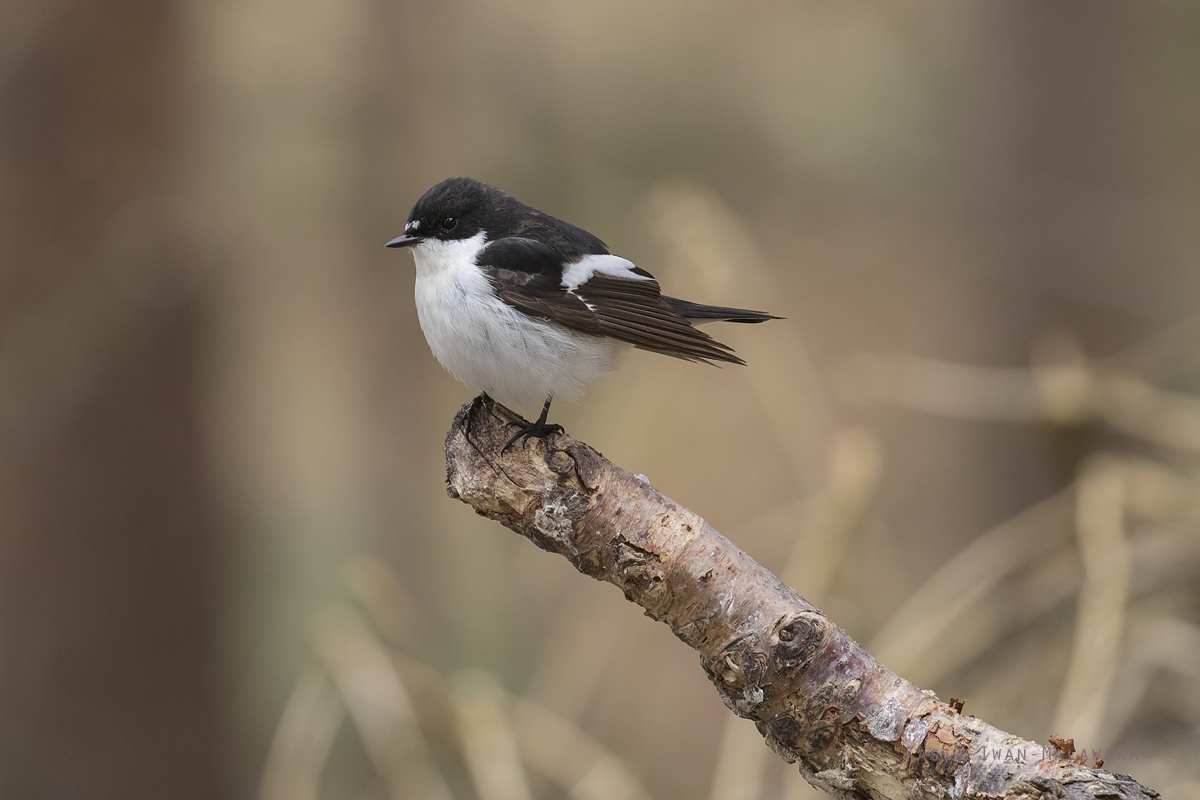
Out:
{"x": 524, "y": 307}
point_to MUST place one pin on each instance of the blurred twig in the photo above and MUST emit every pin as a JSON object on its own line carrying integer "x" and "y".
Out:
{"x": 498, "y": 734}
{"x": 1061, "y": 388}
{"x": 969, "y": 576}
{"x": 313, "y": 714}
{"x": 379, "y": 705}
{"x": 1154, "y": 643}
{"x": 562, "y": 752}
{"x": 1100, "y": 527}
{"x": 1165, "y": 354}
{"x": 487, "y": 737}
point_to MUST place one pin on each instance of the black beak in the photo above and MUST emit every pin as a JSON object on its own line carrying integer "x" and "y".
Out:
{"x": 406, "y": 240}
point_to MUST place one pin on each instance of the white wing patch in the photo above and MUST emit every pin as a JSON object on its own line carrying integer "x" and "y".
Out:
{"x": 579, "y": 273}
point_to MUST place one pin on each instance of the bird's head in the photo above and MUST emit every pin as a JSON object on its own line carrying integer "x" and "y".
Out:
{"x": 456, "y": 208}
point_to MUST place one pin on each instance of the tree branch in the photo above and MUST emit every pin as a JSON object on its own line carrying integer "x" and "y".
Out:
{"x": 856, "y": 729}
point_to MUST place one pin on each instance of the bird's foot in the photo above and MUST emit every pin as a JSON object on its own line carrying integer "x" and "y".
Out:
{"x": 540, "y": 429}
{"x": 478, "y": 403}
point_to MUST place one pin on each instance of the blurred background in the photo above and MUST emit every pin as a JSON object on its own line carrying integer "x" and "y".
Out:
{"x": 228, "y": 567}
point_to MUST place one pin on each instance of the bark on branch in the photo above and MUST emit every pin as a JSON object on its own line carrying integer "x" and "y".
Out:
{"x": 856, "y": 729}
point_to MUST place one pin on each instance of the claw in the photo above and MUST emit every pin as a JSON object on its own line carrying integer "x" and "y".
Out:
{"x": 478, "y": 402}
{"x": 540, "y": 429}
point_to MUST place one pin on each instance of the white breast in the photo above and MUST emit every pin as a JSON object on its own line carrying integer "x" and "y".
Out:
{"x": 490, "y": 346}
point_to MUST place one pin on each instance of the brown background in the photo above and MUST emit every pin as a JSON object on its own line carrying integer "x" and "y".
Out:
{"x": 214, "y": 394}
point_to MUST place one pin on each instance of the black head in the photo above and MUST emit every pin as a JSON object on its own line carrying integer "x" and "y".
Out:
{"x": 457, "y": 208}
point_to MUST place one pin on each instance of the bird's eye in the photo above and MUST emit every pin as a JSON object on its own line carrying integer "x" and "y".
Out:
{"x": 449, "y": 222}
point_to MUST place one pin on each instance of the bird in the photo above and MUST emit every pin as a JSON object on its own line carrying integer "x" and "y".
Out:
{"x": 524, "y": 307}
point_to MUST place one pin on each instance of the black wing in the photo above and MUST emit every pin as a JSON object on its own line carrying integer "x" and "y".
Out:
{"x": 527, "y": 275}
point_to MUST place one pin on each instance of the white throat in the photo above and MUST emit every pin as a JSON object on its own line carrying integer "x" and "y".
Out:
{"x": 433, "y": 256}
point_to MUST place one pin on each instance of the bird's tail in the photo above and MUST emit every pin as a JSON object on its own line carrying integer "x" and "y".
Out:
{"x": 699, "y": 313}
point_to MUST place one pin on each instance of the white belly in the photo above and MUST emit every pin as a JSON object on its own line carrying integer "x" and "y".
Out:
{"x": 490, "y": 346}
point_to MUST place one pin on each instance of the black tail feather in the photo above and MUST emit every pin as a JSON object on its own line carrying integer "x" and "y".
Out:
{"x": 703, "y": 313}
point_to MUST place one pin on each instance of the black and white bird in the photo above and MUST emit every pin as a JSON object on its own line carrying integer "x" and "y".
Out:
{"x": 523, "y": 307}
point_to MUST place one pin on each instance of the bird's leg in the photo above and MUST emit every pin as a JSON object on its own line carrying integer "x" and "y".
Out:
{"x": 541, "y": 428}
{"x": 477, "y": 403}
